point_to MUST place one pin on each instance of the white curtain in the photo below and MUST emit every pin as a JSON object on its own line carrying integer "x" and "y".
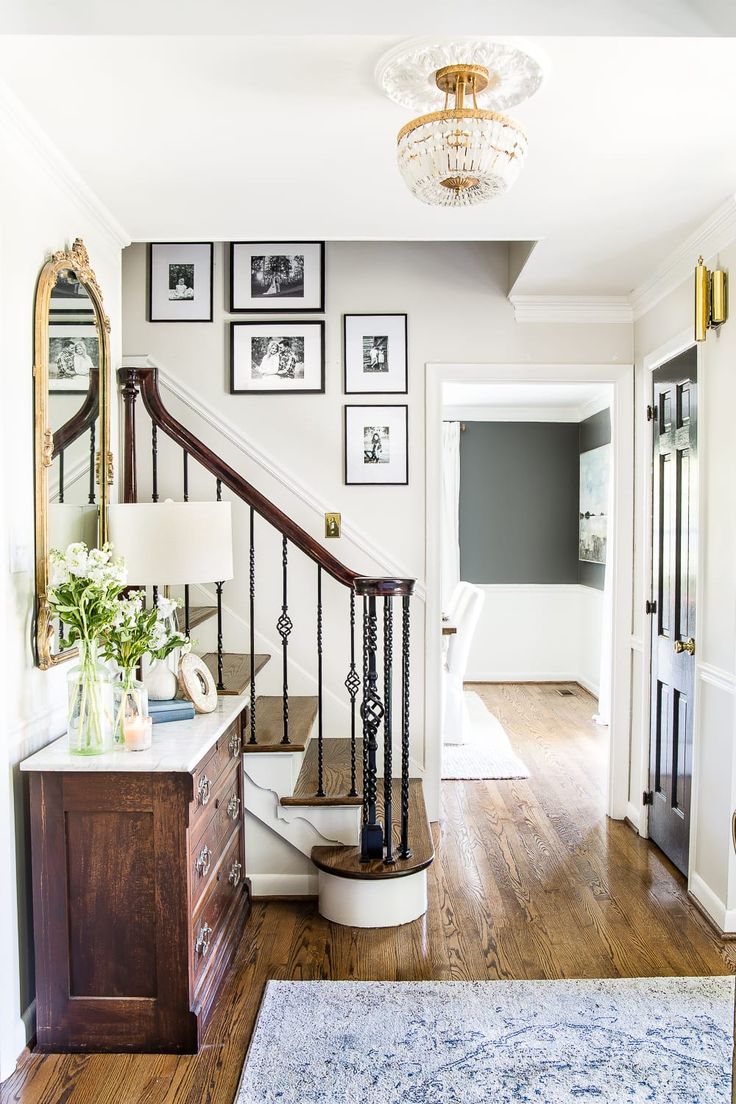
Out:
{"x": 450, "y": 531}
{"x": 603, "y": 716}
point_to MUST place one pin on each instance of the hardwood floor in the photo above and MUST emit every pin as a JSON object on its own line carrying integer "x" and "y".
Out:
{"x": 530, "y": 880}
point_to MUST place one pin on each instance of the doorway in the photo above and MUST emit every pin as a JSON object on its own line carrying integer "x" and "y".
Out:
{"x": 672, "y": 606}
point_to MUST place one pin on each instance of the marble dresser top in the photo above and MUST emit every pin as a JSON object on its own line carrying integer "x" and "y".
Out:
{"x": 177, "y": 746}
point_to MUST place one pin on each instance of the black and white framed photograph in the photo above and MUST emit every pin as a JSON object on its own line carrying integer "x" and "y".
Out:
{"x": 376, "y": 444}
{"x": 375, "y": 353}
{"x": 288, "y": 277}
{"x": 276, "y": 358}
{"x": 74, "y": 356}
{"x": 180, "y": 281}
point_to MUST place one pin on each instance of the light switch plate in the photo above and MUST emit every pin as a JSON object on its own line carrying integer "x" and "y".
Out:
{"x": 333, "y": 525}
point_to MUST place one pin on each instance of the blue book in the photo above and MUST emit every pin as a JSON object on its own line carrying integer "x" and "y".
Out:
{"x": 173, "y": 715}
{"x": 170, "y": 705}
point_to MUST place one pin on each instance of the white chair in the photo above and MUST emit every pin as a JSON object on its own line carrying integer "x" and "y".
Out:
{"x": 456, "y": 722}
{"x": 454, "y": 601}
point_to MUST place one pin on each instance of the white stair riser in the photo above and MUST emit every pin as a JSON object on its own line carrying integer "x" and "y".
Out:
{"x": 373, "y": 903}
{"x": 304, "y": 826}
{"x": 274, "y": 770}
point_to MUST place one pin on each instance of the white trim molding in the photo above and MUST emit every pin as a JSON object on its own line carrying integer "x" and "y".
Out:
{"x": 716, "y": 676}
{"x": 15, "y": 117}
{"x": 216, "y": 421}
{"x": 718, "y": 231}
{"x": 724, "y": 918}
{"x": 582, "y": 309}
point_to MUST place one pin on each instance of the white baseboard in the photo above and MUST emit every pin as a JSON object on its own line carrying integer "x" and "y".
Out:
{"x": 725, "y": 918}
{"x": 284, "y": 885}
{"x": 633, "y": 815}
{"x": 11, "y": 1047}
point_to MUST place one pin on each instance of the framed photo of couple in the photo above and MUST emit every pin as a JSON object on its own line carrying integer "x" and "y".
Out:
{"x": 375, "y": 352}
{"x": 277, "y": 358}
{"x": 288, "y": 277}
{"x": 180, "y": 281}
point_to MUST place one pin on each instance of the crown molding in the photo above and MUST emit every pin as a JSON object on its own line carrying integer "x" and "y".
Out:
{"x": 718, "y": 231}
{"x": 581, "y": 309}
{"x": 18, "y": 122}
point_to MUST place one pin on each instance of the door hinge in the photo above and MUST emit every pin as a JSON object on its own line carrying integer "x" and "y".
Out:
{"x": 647, "y": 798}
{"x": 651, "y": 413}
{"x": 650, "y": 607}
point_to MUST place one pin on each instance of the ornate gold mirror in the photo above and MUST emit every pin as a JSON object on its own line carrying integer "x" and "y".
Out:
{"x": 72, "y": 432}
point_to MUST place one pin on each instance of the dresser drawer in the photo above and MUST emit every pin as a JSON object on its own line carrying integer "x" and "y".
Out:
{"x": 206, "y": 845}
{"x": 211, "y": 913}
{"x": 207, "y": 773}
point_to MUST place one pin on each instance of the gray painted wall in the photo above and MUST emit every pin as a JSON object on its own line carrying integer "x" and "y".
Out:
{"x": 519, "y": 502}
{"x": 594, "y": 432}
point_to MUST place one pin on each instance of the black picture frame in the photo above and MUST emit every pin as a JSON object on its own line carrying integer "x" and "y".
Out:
{"x": 276, "y": 324}
{"x": 152, "y": 246}
{"x": 378, "y": 482}
{"x": 347, "y": 389}
{"x": 278, "y": 307}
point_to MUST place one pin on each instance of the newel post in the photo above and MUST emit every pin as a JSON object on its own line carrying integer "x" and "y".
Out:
{"x": 128, "y": 380}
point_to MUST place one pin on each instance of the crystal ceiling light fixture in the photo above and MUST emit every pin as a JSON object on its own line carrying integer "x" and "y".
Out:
{"x": 464, "y": 153}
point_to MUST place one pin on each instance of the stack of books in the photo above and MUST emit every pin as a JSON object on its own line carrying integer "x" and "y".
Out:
{"x": 175, "y": 709}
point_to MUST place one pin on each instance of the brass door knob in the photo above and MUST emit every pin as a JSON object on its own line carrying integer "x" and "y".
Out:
{"x": 685, "y": 646}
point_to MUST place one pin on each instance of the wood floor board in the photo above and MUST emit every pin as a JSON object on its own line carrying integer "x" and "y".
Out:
{"x": 530, "y": 880}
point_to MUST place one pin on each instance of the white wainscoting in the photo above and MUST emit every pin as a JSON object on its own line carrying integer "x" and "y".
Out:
{"x": 532, "y": 632}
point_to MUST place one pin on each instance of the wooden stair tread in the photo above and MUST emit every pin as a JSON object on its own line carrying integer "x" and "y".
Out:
{"x": 197, "y": 614}
{"x": 270, "y": 723}
{"x": 336, "y": 775}
{"x": 235, "y": 669}
{"x": 344, "y": 862}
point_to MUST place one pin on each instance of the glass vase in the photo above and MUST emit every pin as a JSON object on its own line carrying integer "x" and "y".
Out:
{"x": 90, "y": 714}
{"x": 130, "y": 700}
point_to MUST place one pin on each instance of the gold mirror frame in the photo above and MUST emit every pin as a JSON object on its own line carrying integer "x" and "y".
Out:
{"x": 77, "y": 260}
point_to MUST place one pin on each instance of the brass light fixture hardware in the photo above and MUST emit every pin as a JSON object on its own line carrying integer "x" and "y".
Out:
{"x": 333, "y": 525}
{"x": 711, "y": 299}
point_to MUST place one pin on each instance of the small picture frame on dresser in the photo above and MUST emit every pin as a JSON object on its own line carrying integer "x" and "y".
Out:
{"x": 180, "y": 277}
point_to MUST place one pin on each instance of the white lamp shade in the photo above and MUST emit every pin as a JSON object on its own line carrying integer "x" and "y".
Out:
{"x": 173, "y": 543}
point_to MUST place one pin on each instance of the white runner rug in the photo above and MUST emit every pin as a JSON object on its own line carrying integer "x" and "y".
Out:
{"x": 488, "y": 754}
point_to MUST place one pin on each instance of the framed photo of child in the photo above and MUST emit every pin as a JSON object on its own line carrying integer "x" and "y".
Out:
{"x": 180, "y": 281}
{"x": 375, "y": 351}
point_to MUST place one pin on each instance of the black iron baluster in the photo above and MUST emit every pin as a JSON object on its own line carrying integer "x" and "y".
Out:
{"x": 365, "y": 683}
{"x": 252, "y": 572}
{"x": 388, "y": 674}
{"x": 404, "y": 849}
{"x": 154, "y": 482}
{"x": 371, "y": 711}
{"x": 61, "y": 475}
{"x": 284, "y": 626}
{"x": 218, "y": 589}
{"x": 352, "y": 684}
{"x": 320, "y": 732}
{"x": 92, "y": 465}
{"x": 185, "y": 473}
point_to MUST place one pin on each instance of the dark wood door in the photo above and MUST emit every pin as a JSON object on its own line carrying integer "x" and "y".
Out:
{"x": 673, "y": 621}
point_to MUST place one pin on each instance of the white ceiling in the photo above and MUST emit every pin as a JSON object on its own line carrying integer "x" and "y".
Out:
{"x": 632, "y": 141}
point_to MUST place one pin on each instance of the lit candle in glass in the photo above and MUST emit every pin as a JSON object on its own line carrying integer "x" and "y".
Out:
{"x": 137, "y": 732}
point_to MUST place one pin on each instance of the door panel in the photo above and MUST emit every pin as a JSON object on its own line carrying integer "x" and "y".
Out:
{"x": 674, "y": 622}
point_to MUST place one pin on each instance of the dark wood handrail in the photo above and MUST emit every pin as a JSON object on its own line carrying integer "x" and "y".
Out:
{"x": 147, "y": 380}
{"x": 85, "y": 417}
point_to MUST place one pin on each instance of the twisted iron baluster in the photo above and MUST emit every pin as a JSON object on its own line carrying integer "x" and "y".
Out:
{"x": 154, "y": 462}
{"x": 320, "y": 733}
{"x": 218, "y": 589}
{"x": 92, "y": 447}
{"x": 404, "y": 849}
{"x": 284, "y": 626}
{"x": 365, "y": 686}
{"x": 185, "y": 455}
{"x": 61, "y": 475}
{"x": 371, "y": 712}
{"x": 352, "y": 684}
{"x": 252, "y": 572}
{"x": 388, "y": 658}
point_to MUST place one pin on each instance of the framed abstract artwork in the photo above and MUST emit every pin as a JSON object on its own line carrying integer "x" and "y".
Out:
{"x": 376, "y": 445}
{"x": 180, "y": 281}
{"x": 283, "y": 277}
{"x": 277, "y": 358}
{"x": 375, "y": 352}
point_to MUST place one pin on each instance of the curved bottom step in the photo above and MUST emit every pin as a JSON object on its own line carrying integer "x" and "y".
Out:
{"x": 375, "y": 902}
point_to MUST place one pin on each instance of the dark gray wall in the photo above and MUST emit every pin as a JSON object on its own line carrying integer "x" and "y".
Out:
{"x": 594, "y": 432}
{"x": 519, "y": 502}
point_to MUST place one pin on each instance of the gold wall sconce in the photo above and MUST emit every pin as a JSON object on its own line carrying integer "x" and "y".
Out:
{"x": 711, "y": 299}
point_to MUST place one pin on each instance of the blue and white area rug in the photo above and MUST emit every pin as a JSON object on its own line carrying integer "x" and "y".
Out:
{"x": 653, "y": 1040}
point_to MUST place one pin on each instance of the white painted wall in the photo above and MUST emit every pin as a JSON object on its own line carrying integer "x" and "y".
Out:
{"x": 532, "y": 632}
{"x": 712, "y": 860}
{"x": 43, "y": 207}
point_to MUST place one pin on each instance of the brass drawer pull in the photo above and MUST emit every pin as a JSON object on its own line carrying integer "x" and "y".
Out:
{"x": 234, "y": 875}
{"x": 234, "y": 744}
{"x": 203, "y": 790}
{"x": 202, "y": 942}
{"x": 203, "y": 861}
{"x": 233, "y": 807}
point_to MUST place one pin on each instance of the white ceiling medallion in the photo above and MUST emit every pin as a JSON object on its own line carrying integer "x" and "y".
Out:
{"x": 459, "y": 155}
